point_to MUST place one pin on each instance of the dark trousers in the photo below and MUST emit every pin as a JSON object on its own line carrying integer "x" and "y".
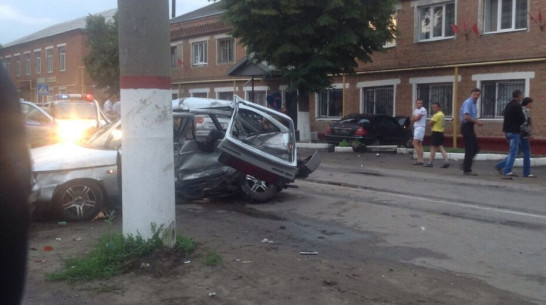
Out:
{"x": 471, "y": 147}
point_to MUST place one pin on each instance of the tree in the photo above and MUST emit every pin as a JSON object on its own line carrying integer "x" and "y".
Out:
{"x": 310, "y": 41}
{"x": 102, "y": 61}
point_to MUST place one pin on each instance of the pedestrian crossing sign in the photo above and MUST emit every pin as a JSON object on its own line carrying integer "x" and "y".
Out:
{"x": 43, "y": 89}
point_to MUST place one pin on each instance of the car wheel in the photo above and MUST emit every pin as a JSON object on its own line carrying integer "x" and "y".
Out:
{"x": 258, "y": 191}
{"x": 79, "y": 200}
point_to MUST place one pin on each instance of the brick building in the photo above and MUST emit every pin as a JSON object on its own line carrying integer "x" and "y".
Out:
{"x": 50, "y": 61}
{"x": 494, "y": 45}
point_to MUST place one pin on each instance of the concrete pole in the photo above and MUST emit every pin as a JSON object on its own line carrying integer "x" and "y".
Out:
{"x": 147, "y": 122}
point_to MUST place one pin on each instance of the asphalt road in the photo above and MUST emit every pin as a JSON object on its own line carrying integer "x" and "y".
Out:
{"x": 483, "y": 227}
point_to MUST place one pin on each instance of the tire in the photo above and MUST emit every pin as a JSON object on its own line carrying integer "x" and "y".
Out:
{"x": 258, "y": 191}
{"x": 79, "y": 200}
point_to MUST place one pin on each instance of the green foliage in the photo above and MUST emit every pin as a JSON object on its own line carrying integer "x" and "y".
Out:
{"x": 213, "y": 259}
{"x": 102, "y": 61}
{"x": 114, "y": 252}
{"x": 309, "y": 41}
{"x": 344, "y": 143}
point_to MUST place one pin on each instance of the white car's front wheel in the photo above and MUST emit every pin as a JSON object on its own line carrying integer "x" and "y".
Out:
{"x": 79, "y": 200}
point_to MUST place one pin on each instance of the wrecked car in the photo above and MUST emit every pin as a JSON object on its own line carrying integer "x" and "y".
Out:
{"x": 243, "y": 148}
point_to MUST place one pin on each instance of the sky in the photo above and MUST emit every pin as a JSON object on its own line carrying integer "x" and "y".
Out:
{"x": 19, "y": 18}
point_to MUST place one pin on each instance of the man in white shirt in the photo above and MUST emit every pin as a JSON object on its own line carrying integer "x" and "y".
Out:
{"x": 419, "y": 119}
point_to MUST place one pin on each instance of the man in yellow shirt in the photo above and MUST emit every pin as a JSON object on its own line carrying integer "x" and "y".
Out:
{"x": 437, "y": 137}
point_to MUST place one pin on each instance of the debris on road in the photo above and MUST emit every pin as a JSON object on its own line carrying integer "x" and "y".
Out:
{"x": 308, "y": 252}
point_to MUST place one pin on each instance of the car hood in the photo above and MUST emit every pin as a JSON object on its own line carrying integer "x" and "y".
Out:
{"x": 64, "y": 156}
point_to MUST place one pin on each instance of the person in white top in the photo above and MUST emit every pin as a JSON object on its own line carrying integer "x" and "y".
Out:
{"x": 419, "y": 119}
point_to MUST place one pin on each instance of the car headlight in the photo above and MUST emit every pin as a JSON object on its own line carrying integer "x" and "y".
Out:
{"x": 72, "y": 131}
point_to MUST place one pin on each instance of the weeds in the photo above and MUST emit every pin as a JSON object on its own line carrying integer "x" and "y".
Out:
{"x": 213, "y": 259}
{"x": 114, "y": 253}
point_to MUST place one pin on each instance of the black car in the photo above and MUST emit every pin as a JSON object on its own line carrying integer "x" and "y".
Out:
{"x": 361, "y": 130}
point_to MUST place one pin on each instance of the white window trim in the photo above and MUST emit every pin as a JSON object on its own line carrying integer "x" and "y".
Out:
{"x": 414, "y": 81}
{"x": 378, "y": 83}
{"x": 478, "y": 78}
{"x": 201, "y": 64}
{"x": 481, "y": 19}
{"x": 46, "y": 59}
{"x": 332, "y": 86}
{"x": 61, "y": 45}
{"x": 59, "y": 56}
{"x": 248, "y": 90}
{"x": 218, "y": 45}
{"x": 199, "y": 90}
{"x": 219, "y": 90}
{"x": 416, "y": 5}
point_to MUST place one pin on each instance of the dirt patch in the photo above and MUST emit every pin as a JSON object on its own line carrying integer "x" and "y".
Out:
{"x": 261, "y": 264}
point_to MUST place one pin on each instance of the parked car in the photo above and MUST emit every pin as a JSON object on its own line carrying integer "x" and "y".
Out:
{"x": 78, "y": 179}
{"x": 40, "y": 126}
{"x": 77, "y": 116}
{"x": 361, "y": 130}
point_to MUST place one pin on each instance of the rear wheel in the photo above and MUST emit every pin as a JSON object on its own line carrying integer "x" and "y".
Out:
{"x": 79, "y": 200}
{"x": 258, "y": 191}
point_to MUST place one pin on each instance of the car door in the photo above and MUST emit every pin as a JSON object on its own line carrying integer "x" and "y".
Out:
{"x": 40, "y": 126}
{"x": 388, "y": 130}
{"x": 260, "y": 142}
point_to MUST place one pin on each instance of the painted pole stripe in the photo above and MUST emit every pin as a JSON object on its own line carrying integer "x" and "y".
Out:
{"x": 145, "y": 82}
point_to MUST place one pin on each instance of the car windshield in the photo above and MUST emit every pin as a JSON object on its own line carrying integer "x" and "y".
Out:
{"x": 74, "y": 110}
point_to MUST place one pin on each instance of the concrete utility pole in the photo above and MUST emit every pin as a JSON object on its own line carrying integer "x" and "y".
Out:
{"x": 146, "y": 114}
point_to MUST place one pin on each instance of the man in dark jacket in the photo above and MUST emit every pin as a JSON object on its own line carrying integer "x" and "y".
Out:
{"x": 513, "y": 118}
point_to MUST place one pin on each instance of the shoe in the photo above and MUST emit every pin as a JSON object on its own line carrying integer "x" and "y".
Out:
{"x": 418, "y": 163}
{"x": 428, "y": 165}
{"x": 530, "y": 176}
{"x": 510, "y": 174}
{"x": 445, "y": 165}
{"x": 499, "y": 170}
{"x": 469, "y": 174}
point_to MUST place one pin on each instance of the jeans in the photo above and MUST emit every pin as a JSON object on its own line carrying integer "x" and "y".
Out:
{"x": 471, "y": 147}
{"x": 525, "y": 149}
{"x": 508, "y": 162}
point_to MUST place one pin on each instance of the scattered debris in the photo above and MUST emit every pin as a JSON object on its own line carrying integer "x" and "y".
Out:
{"x": 77, "y": 239}
{"x": 423, "y": 228}
{"x": 352, "y": 276}
{"x": 329, "y": 283}
{"x": 267, "y": 241}
{"x": 144, "y": 265}
{"x": 308, "y": 252}
{"x": 99, "y": 216}
{"x": 58, "y": 239}
{"x": 62, "y": 223}
{"x": 282, "y": 228}
{"x": 212, "y": 294}
{"x": 187, "y": 262}
{"x": 48, "y": 248}
{"x": 41, "y": 261}
{"x": 377, "y": 155}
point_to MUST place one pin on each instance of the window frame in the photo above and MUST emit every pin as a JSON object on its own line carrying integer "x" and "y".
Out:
{"x": 445, "y": 27}
{"x": 479, "y": 78}
{"x": 27, "y": 63}
{"x": 499, "y": 29}
{"x": 199, "y": 53}
{"x": 37, "y": 61}
{"x": 49, "y": 59}
{"x": 220, "y": 50}
{"x": 61, "y": 49}
{"x": 17, "y": 57}
{"x": 435, "y": 80}
{"x": 375, "y": 89}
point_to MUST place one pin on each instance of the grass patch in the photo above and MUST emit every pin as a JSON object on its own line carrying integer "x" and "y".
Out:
{"x": 344, "y": 143}
{"x": 213, "y": 259}
{"x": 115, "y": 253}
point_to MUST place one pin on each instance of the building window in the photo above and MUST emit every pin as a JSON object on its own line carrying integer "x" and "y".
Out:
{"x": 199, "y": 55}
{"x": 392, "y": 43}
{"x": 496, "y": 94}
{"x": 435, "y": 21}
{"x": 225, "y": 95}
{"x": 17, "y": 65}
{"x": 379, "y": 100}
{"x": 38, "y": 62}
{"x": 173, "y": 57}
{"x": 7, "y": 65}
{"x": 62, "y": 58}
{"x": 49, "y": 60}
{"x": 199, "y": 94}
{"x": 27, "y": 64}
{"x": 437, "y": 93}
{"x": 331, "y": 103}
{"x": 226, "y": 50}
{"x": 505, "y": 15}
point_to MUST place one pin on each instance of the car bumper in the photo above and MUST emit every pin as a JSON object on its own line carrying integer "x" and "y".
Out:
{"x": 335, "y": 139}
{"x": 308, "y": 165}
